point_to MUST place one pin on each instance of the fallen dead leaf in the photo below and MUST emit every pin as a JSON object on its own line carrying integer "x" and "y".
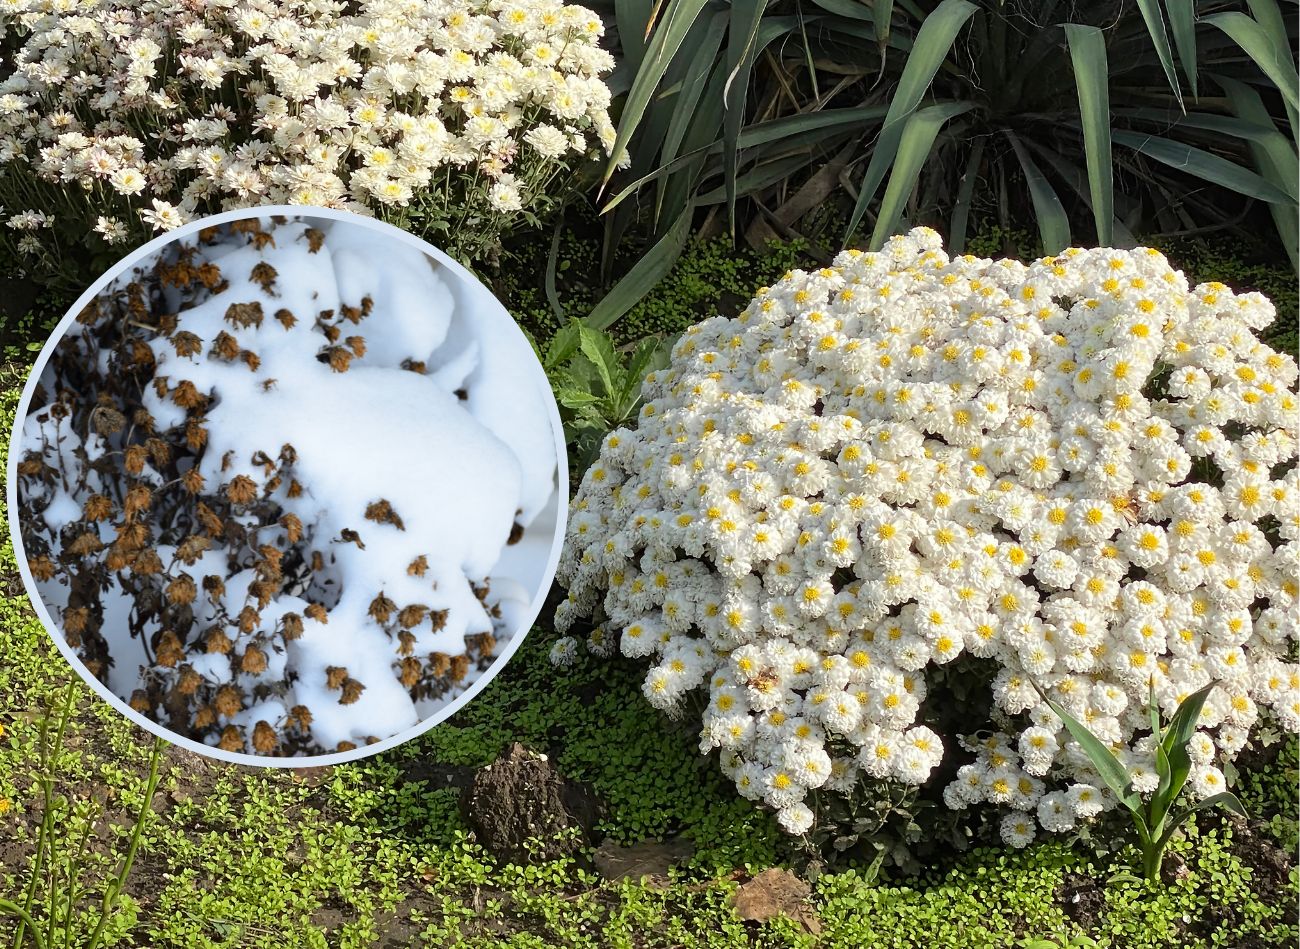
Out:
{"x": 776, "y": 892}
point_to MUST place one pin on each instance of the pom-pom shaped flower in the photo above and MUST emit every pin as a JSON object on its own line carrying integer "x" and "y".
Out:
{"x": 1080, "y": 469}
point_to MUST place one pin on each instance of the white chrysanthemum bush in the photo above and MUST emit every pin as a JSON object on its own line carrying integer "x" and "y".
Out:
{"x": 1075, "y": 477}
{"x": 119, "y": 119}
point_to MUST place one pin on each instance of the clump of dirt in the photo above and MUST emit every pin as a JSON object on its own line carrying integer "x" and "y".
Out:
{"x": 1082, "y": 898}
{"x": 523, "y": 810}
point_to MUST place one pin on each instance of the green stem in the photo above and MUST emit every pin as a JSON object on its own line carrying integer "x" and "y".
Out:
{"x": 115, "y": 885}
{"x": 46, "y": 756}
{"x": 1151, "y": 862}
{"x": 74, "y": 876}
{"x": 25, "y": 922}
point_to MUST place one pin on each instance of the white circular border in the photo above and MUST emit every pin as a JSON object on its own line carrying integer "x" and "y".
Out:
{"x": 29, "y": 583}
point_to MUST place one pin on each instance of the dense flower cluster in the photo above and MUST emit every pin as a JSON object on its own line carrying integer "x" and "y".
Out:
{"x": 1079, "y": 469}
{"x": 139, "y": 116}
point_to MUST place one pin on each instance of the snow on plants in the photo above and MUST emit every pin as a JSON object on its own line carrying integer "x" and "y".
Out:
{"x": 268, "y": 479}
{"x": 120, "y": 118}
{"x": 1077, "y": 476}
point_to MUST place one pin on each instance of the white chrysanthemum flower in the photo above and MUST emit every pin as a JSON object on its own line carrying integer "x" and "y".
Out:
{"x": 795, "y": 819}
{"x": 901, "y": 459}
{"x": 564, "y": 651}
{"x": 1017, "y": 830}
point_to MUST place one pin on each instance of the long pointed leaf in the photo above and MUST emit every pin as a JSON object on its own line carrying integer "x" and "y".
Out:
{"x": 1202, "y": 164}
{"x": 746, "y": 17}
{"x": 1182, "y": 23}
{"x": 759, "y": 177}
{"x": 1108, "y": 766}
{"x": 1225, "y": 799}
{"x": 965, "y": 193}
{"x": 1275, "y": 158}
{"x": 856, "y": 9}
{"x": 1252, "y": 130}
{"x": 1162, "y": 797}
{"x": 1269, "y": 16}
{"x": 677, "y": 21}
{"x": 933, "y": 41}
{"x": 698, "y": 73}
{"x": 1077, "y": 179}
{"x": 914, "y": 148}
{"x": 552, "y": 258}
{"x": 700, "y": 58}
{"x": 1053, "y": 222}
{"x": 1088, "y": 54}
{"x": 632, "y": 17}
{"x": 645, "y": 273}
{"x": 882, "y": 12}
{"x": 701, "y": 131}
{"x": 1257, "y": 44}
{"x": 1155, "y": 22}
{"x": 801, "y": 128}
{"x": 1185, "y": 717}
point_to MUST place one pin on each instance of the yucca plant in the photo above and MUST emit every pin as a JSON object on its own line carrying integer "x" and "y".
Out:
{"x": 1154, "y": 817}
{"x": 727, "y": 100}
{"x": 1004, "y": 97}
{"x": 1164, "y": 115}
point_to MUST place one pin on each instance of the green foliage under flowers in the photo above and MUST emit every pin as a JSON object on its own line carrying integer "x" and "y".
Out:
{"x": 1057, "y": 115}
{"x": 1154, "y": 819}
{"x": 366, "y": 856}
{"x": 1269, "y": 791}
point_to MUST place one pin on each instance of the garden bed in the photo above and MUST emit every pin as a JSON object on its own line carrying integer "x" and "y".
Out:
{"x": 377, "y": 853}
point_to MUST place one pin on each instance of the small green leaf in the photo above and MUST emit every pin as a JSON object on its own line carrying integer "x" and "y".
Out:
{"x": 637, "y": 367}
{"x": 598, "y": 347}
{"x": 563, "y": 344}
{"x": 575, "y": 398}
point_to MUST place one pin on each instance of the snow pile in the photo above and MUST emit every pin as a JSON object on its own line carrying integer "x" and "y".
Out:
{"x": 270, "y": 514}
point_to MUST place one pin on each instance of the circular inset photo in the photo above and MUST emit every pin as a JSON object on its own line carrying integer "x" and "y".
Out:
{"x": 287, "y": 485}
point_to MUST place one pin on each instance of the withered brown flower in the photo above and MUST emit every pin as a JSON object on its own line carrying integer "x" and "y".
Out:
{"x": 265, "y": 740}
{"x": 241, "y": 490}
